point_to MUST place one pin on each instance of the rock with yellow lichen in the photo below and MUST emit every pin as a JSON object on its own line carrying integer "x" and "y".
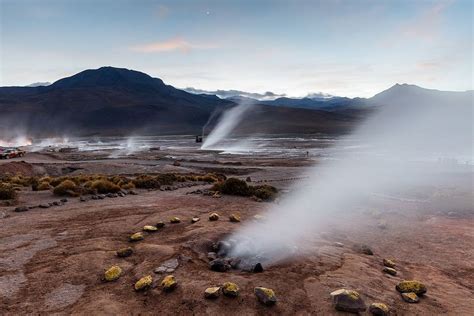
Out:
{"x": 150, "y": 228}
{"x": 175, "y": 220}
{"x": 112, "y": 274}
{"x": 265, "y": 296}
{"x": 160, "y": 224}
{"x": 230, "y": 289}
{"x": 389, "y": 263}
{"x": 144, "y": 283}
{"x": 390, "y": 271}
{"x": 124, "y": 252}
{"x": 195, "y": 219}
{"x": 234, "y": 218}
{"x": 379, "y": 309}
{"x": 214, "y": 217}
{"x": 410, "y": 297}
{"x": 169, "y": 283}
{"x": 407, "y": 286}
{"x": 348, "y": 301}
{"x": 136, "y": 237}
{"x": 212, "y": 292}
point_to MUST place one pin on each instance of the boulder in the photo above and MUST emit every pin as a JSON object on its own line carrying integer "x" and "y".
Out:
{"x": 112, "y": 274}
{"x": 364, "y": 249}
{"x": 214, "y": 217}
{"x": 234, "y": 218}
{"x": 410, "y": 297}
{"x": 411, "y": 286}
{"x": 150, "y": 228}
{"x": 168, "y": 266}
{"x": 379, "y": 309}
{"x": 82, "y": 199}
{"x": 212, "y": 292}
{"x": 175, "y": 220}
{"x": 144, "y": 283}
{"x": 257, "y": 268}
{"x": 64, "y": 200}
{"x": 169, "y": 283}
{"x": 160, "y": 224}
{"x": 390, "y": 271}
{"x": 339, "y": 244}
{"x": 223, "y": 248}
{"x": 389, "y": 263}
{"x": 211, "y": 255}
{"x": 195, "y": 220}
{"x": 265, "y": 296}
{"x": 136, "y": 237}
{"x": 348, "y": 301}
{"x": 219, "y": 265}
{"x": 217, "y": 195}
{"x": 230, "y": 289}
{"x": 248, "y": 179}
{"x": 124, "y": 252}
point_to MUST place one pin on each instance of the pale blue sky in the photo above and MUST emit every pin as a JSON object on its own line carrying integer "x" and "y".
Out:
{"x": 350, "y": 48}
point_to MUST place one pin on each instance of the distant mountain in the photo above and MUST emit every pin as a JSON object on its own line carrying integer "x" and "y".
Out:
{"x": 39, "y": 84}
{"x": 231, "y": 94}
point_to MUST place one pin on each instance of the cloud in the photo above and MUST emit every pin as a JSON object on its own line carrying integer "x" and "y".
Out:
{"x": 170, "y": 45}
{"x": 161, "y": 11}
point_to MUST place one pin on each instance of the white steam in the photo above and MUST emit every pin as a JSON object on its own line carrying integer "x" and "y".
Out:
{"x": 406, "y": 146}
{"x": 229, "y": 120}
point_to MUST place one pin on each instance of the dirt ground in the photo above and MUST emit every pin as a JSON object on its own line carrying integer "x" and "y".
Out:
{"x": 52, "y": 260}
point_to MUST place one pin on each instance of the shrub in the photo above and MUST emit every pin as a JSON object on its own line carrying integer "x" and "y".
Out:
{"x": 233, "y": 186}
{"x": 127, "y": 186}
{"x": 265, "y": 192}
{"x": 146, "y": 182}
{"x": 7, "y": 192}
{"x": 167, "y": 178}
{"x": 57, "y": 181}
{"x": 66, "y": 188}
{"x": 105, "y": 186}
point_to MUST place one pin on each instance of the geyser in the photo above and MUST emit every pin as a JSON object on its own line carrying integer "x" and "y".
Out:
{"x": 229, "y": 120}
{"x": 405, "y": 146}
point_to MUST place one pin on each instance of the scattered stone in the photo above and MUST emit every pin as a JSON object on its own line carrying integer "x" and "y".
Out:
{"x": 258, "y": 217}
{"x": 101, "y": 197}
{"x": 113, "y": 273}
{"x": 144, "y": 283}
{"x": 56, "y": 203}
{"x": 168, "y": 266}
{"x": 410, "y": 297}
{"x": 265, "y": 296}
{"x": 94, "y": 197}
{"x": 21, "y": 209}
{"x": 230, "y": 289}
{"x": 390, "y": 271}
{"x": 235, "y": 263}
{"x": 248, "y": 179}
{"x": 411, "y": 286}
{"x": 64, "y": 200}
{"x": 136, "y": 237}
{"x": 211, "y": 256}
{"x": 223, "y": 248}
{"x": 256, "y": 199}
{"x": 378, "y": 309}
{"x": 131, "y": 192}
{"x": 364, "y": 249}
{"x": 150, "y": 228}
{"x": 195, "y": 220}
{"x": 348, "y": 301}
{"x": 82, "y": 199}
{"x": 212, "y": 292}
{"x": 175, "y": 220}
{"x": 43, "y": 206}
{"x": 176, "y": 163}
{"x": 51, "y": 204}
{"x": 160, "y": 224}
{"x": 214, "y": 217}
{"x": 338, "y": 244}
{"x": 382, "y": 224}
{"x": 389, "y": 263}
{"x": 257, "y": 268}
{"x": 219, "y": 265}
{"x": 217, "y": 195}
{"x": 169, "y": 283}
{"x": 124, "y": 252}
{"x": 234, "y": 218}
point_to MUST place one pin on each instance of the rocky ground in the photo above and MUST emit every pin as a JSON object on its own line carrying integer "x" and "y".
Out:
{"x": 52, "y": 260}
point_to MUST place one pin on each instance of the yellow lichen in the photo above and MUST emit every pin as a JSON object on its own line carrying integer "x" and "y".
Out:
{"x": 143, "y": 283}
{"x": 230, "y": 289}
{"x": 175, "y": 220}
{"x": 169, "y": 283}
{"x": 113, "y": 273}
{"x": 214, "y": 217}
{"x": 150, "y": 228}
{"x": 411, "y": 286}
{"x": 136, "y": 237}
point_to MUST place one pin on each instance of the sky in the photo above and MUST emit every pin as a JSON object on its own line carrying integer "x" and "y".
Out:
{"x": 346, "y": 48}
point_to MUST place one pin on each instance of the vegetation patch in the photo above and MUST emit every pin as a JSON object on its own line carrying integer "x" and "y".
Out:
{"x": 7, "y": 191}
{"x": 66, "y": 188}
{"x": 234, "y": 186}
{"x": 105, "y": 186}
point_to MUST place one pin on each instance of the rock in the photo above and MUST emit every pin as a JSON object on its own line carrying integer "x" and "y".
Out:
{"x": 21, "y": 209}
{"x": 219, "y": 265}
{"x": 234, "y": 218}
{"x": 176, "y": 163}
{"x": 136, "y": 237}
{"x": 390, "y": 271}
{"x": 217, "y": 195}
{"x": 230, "y": 289}
{"x": 150, "y": 228}
{"x": 411, "y": 286}
{"x": 101, "y": 196}
{"x": 131, "y": 192}
{"x": 144, "y": 283}
{"x": 258, "y": 217}
{"x": 364, "y": 249}
{"x": 248, "y": 179}
{"x": 113, "y": 273}
{"x": 235, "y": 263}
{"x": 169, "y": 283}
{"x": 64, "y": 200}
{"x": 338, "y": 244}
{"x": 257, "y": 268}
{"x": 212, "y": 292}
{"x": 265, "y": 296}
{"x": 348, "y": 301}
{"x": 57, "y": 203}
{"x": 389, "y": 263}
{"x": 175, "y": 220}
{"x": 410, "y": 297}
{"x": 382, "y": 224}
{"x": 160, "y": 224}
{"x": 124, "y": 252}
{"x": 168, "y": 266}
{"x": 214, "y": 217}
{"x": 223, "y": 248}
{"x": 94, "y": 197}
{"x": 379, "y": 309}
{"x": 195, "y": 220}
{"x": 43, "y": 206}
{"x": 211, "y": 255}
{"x": 82, "y": 199}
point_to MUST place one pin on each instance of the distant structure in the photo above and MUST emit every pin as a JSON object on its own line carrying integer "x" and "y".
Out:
{"x": 198, "y": 139}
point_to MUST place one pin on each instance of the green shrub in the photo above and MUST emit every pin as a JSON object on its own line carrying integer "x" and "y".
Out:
{"x": 66, "y": 188}
{"x": 105, "y": 186}
{"x": 7, "y": 191}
